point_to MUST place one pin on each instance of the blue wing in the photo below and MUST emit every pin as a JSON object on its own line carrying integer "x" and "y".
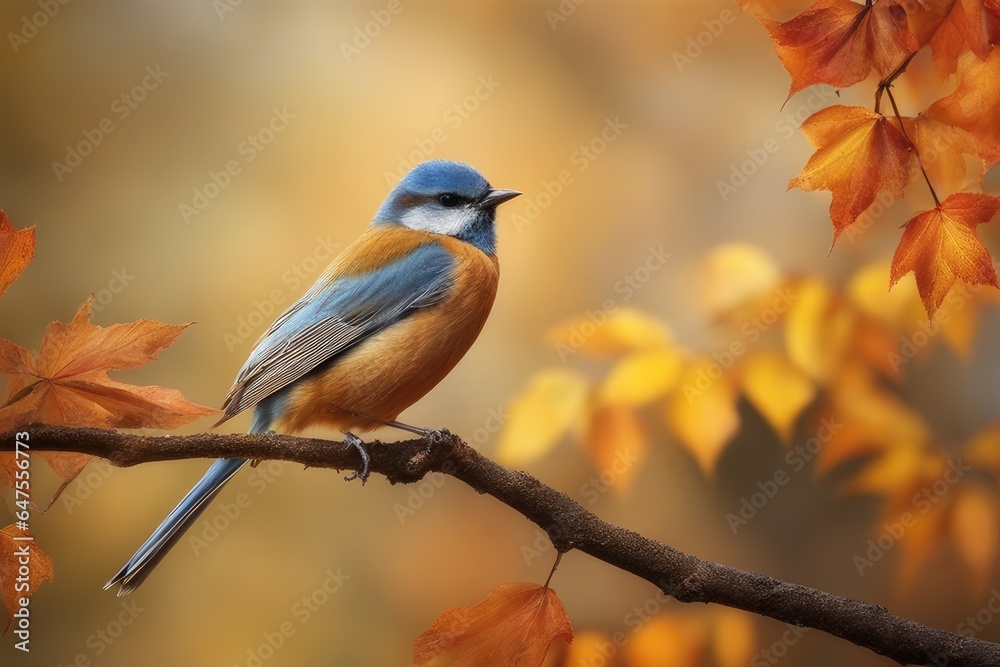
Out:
{"x": 333, "y": 316}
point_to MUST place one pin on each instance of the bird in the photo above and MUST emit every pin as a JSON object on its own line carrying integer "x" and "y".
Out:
{"x": 383, "y": 324}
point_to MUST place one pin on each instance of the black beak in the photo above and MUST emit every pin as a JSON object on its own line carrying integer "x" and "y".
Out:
{"x": 494, "y": 198}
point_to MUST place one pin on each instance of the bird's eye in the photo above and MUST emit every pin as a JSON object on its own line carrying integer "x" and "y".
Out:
{"x": 449, "y": 200}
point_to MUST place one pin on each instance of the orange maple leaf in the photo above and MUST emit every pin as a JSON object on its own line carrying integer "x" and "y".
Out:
{"x": 975, "y": 105}
{"x": 68, "y": 383}
{"x": 941, "y": 245}
{"x": 513, "y": 626}
{"x": 39, "y": 568}
{"x": 17, "y": 247}
{"x": 859, "y": 152}
{"x": 942, "y": 149}
{"x": 950, "y": 25}
{"x": 839, "y": 42}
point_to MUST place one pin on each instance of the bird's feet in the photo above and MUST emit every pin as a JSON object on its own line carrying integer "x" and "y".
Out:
{"x": 351, "y": 440}
{"x": 437, "y": 436}
{"x": 434, "y": 436}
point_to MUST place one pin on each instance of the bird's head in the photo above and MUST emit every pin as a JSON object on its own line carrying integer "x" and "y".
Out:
{"x": 449, "y": 198}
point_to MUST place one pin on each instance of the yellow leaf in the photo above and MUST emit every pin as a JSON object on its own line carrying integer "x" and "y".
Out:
{"x": 983, "y": 449}
{"x": 608, "y": 332}
{"x": 901, "y": 308}
{"x": 898, "y": 469}
{"x": 920, "y": 540}
{"x": 735, "y": 274}
{"x": 974, "y": 521}
{"x": 872, "y": 419}
{"x": 588, "y": 648}
{"x": 668, "y": 640}
{"x": 734, "y": 640}
{"x": 777, "y": 389}
{"x": 642, "y": 377}
{"x": 701, "y": 411}
{"x": 616, "y": 441}
{"x": 959, "y": 328}
{"x": 553, "y": 402}
{"x": 818, "y": 329}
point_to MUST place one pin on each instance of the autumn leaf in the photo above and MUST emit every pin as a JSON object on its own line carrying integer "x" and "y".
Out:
{"x": 17, "y": 247}
{"x": 733, "y": 638}
{"x": 553, "y": 403}
{"x": 586, "y": 647}
{"x": 609, "y": 332}
{"x": 839, "y": 42}
{"x": 777, "y": 388}
{"x": 68, "y": 382}
{"x": 950, "y": 25}
{"x": 641, "y": 377}
{"x": 941, "y": 246}
{"x": 678, "y": 641}
{"x": 702, "y": 413}
{"x": 616, "y": 442}
{"x": 735, "y": 273}
{"x": 11, "y": 555}
{"x": 942, "y": 149}
{"x": 512, "y": 627}
{"x": 870, "y": 421}
{"x": 859, "y": 153}
{"x": 819, "y": 329}
{"x": 925, "y": 18}
{"x": 983, "y": 450}
{"x": 974, "y": 106}
{"x": 973, "y": 508}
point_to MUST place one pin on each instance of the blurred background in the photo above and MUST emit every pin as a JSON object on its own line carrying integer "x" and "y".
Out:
{"x": 203, "y": 161}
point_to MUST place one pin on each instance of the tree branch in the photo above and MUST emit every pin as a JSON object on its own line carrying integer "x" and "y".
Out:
{"x": 569, "y": 526}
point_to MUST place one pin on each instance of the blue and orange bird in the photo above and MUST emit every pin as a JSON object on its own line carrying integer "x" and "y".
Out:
{"x": 384, "y": 323}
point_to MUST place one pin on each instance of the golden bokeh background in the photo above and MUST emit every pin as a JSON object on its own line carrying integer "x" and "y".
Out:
{"x": 315, "y": 119}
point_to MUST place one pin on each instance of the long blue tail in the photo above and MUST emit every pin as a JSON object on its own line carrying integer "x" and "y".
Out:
{"x": 172, "y": 528}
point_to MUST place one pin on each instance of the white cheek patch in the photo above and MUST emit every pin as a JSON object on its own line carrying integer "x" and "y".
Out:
{"x": 446, "y": 221}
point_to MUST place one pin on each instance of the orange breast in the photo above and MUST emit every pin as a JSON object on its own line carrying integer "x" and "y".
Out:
{"x": 389, "y": 371}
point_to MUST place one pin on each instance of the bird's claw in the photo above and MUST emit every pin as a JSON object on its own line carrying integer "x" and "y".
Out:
{"x": 353, "y": 441}
{"x": 437, "y": 436}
